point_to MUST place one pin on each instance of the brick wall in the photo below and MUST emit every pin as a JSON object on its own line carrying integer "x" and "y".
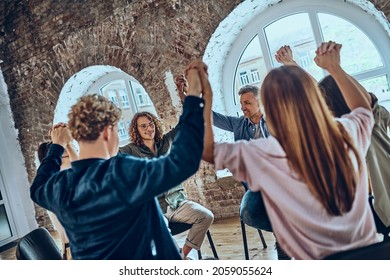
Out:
{"x": 44, "y": 42}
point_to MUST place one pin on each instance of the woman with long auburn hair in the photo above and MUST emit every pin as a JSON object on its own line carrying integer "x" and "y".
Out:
{"x": 311, "y": 170}
{"x": 378, "y": 154}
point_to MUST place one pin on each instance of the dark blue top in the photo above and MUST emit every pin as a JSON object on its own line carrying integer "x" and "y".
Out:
{"x": 242, "y": 127}
{"x": 108, "y": 207}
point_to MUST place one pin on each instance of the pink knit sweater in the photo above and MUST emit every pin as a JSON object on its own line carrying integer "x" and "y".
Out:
{"x": 301, "y": 224}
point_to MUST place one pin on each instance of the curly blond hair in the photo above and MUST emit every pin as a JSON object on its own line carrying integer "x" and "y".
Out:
{"x": 134, "y": 135}
{"x": 90, "y": 115}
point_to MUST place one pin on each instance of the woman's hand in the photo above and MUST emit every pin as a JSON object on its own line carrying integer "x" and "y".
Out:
{"x": 285, "y": 56}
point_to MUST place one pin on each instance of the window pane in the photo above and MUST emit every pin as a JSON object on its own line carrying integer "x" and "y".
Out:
{"x": 122, "y": 130}
{"x": 380, "y": 87}
{"x": 124, "y": 98}
{"x": 358, "y": 52}
{"x": 140, "y": 94}
{"x": 295, "y": 31}
{"x": 114, "y": 90}
{"x": 251, "y": 67}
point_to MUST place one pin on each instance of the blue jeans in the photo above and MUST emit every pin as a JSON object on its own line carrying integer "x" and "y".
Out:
{"x": 253, "y": 212}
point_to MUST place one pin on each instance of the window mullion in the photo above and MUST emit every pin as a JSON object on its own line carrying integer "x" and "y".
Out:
{"x": 265, "y": 49}
{"x": 315, "y": 24}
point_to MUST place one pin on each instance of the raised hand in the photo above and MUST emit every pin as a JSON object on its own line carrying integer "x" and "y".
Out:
{"x": 328, "y": 56}
{"x": 60, "y": 135}
{"x": 192, "y": 76}
{"x": 285, "y": 56}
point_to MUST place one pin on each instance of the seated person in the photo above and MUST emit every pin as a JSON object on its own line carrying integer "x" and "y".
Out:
{"x": 147, "y": 140}
{"x": 378, "y": 155}
{"x": 107, "y": 203}
{"x": 311, "y": 170}
{"x": 69, "y": 155}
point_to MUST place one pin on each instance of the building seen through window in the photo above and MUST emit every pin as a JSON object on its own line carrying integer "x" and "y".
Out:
{"x": 304, "y": 29}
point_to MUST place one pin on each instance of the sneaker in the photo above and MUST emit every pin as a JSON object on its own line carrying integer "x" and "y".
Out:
{"x": 281, "y": 253}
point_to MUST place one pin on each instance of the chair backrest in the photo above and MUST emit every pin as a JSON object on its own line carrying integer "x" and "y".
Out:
{"x": 38, "y": 245}
{"x": 177, "y": 228}
{"x": 377, "y": 251}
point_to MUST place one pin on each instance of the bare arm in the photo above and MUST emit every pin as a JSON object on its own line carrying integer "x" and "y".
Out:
{"x": 201, "y": 68}
{"x": 208, "y": 150}
{"x": 71, "y": 150}
{"x": 328, "y": 58}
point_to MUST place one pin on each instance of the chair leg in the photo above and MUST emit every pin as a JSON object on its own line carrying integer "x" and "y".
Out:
{"x": 244, "y": 240}
{"x": 212, "y": 244}
{"x": 386, "y": 236}
{"x": 262, "y": 238}
{"x": 199, "y": 254}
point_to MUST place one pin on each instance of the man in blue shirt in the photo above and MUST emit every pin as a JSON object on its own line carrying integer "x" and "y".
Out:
{"x": 107, "y": 203}
{"x": 249, "y": 126}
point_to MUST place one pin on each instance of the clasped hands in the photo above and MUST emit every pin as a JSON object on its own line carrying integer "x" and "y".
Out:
{"x": 194, "y": 81}
{"x": 60, "y": 134}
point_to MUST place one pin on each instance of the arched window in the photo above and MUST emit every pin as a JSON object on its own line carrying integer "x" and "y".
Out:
{"x": 126, "y": 93}
{"x": 303, "y": 25}
{"x": 111, "y": 82}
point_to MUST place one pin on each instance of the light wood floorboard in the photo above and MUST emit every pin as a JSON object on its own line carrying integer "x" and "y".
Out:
{"x": 227, "y": 238}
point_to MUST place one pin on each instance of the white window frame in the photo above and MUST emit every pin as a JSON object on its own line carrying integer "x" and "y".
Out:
{"x": 122, "y": 130}
{"x": 113, "y": 97}
{"x": 244, "y": 78}
{"x": 354, "y": 14}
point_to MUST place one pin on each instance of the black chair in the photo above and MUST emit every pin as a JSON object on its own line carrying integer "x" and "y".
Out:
{"x": 377, "y": 251}
{"x": 38, "y": 245}
{"x": 177, "y": 228}
{"x": 243, "y": 231}
{"x": 380, "y": 226}
{"x": 244, "y": 240}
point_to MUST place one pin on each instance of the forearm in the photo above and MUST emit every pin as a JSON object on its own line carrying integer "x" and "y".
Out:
{"x": 222, "y": 121}
{"x": 51, "y": 164}
{"x": 208, "y": 150}
{"x": 362, "y": 89}
{"x": 184, "y": 158}
{"x": 185, "y": 155}
{"x": 73, "y": 155}
{"x": 354, "y": 94}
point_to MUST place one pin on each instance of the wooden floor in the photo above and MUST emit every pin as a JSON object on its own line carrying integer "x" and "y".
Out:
{"x": 227, "y": 237}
